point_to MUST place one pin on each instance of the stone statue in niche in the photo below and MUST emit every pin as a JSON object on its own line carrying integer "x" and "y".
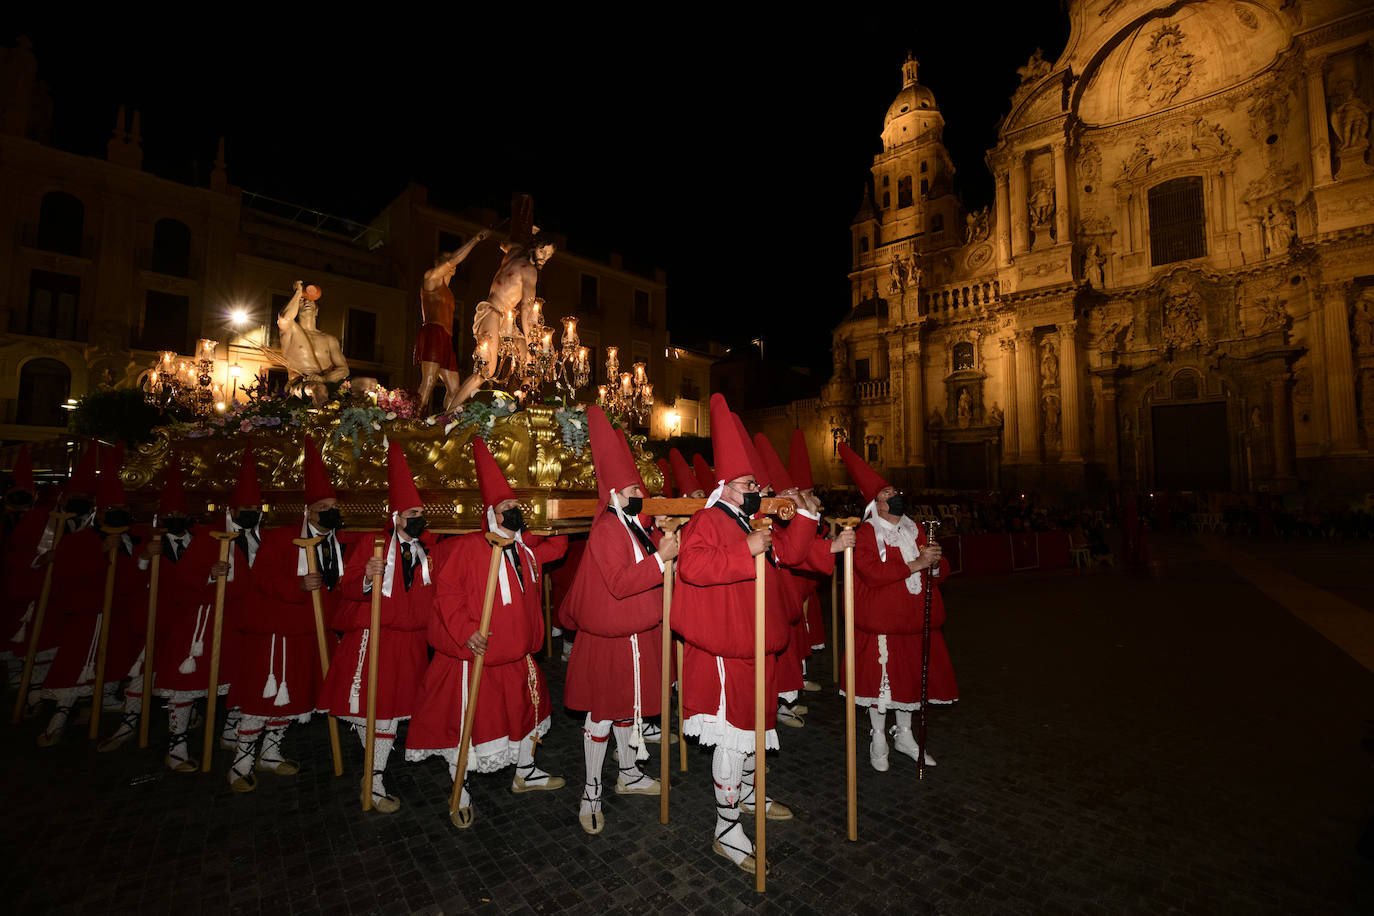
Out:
{"x": 965, "y": 407}
{"x": 1349, "y": 117}
{"x": 1115, "y": 335}
{"x": 1049, "y": 366}
{"x": 1093, "y": 262}
{"x": 1041, "y": 205}
{"x": 905, "y": 275}
{"x": 1272, "y": 316}
{"x": 976, "y": 228}
{"x": 1364, "y": 318}
{"x": 1278, "y": 227}
{"x": 1256, "y": 419}
{"x": 1051, "y": 410}
{"x": 1168, "y": 67}
{"x": 995, "y": 415}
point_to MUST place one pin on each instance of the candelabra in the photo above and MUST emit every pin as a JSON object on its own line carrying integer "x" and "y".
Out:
{"x": 628, "y": 393}
{"x": 525, "y": 359}
{"x": 176, "y": 383}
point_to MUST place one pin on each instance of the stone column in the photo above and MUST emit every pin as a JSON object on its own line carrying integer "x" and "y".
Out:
{"x": 1340, "y": 374}
{"x": 1011, "y": 439}
{"x": 1061, "y": 194}
{"x": 1003, "y": 220}
{"x": 1111, "y": 435}
{"x": 916, "y": 404}
{"x": 1027, "y": 398}
{"x": 1282, "y": 411}
{"x": 1317, "y": 130}
{"x": 897, "y": 396}
{"x": 1070, "y": 450}
{"x": 1020, "y": 213}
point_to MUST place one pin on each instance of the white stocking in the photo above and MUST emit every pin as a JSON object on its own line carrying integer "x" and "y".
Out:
{"x": 249, "y": 731}
{"x": 746, "y": 791}
{"x": 382, "y": 740}
{"x": 464, "y": 801}
{"x": 594, "y": 735}
{"x": 178, "y": 721}
{"x": 877, "y": 721}
{"x": 524, "y": 764}
{"x": 133, "y": 707}
{"x": 727, "y": 768}
{"x": 903, "y": 719}
{"x": 66, "y": 699}
{"x": 626, "y": 756}
{"x": 231, "y": 724}
{"x": 272, "y": 739}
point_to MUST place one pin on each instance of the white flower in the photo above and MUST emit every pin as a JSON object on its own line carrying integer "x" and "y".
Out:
{"x": 376, "y": 426}
{"x": 429, "y": 421}
{"x": 391, "y": 415}
{"x": 448, "y": 427}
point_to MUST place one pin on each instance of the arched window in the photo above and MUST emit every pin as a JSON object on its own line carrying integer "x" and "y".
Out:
{"x": 44, "y": 386}
{"x": 963, "y": 356}
{"x": 904, "y": 191}
{"x": 171, "y": 248}
{"x": 1177, "y": 227}
{"x": 61, "y": 220}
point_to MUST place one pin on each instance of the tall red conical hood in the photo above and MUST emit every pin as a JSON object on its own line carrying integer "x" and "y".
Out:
{"x": 732, "y": 460}
{"x": 317, "y": 485}
{"x": 110, "y": 489}
{"x": 173, "y": 498}
{"x": 777, "y": 474}
{"x": 83, "y": 478}
{"x": 246, "y": 492}
{"x": 402, "y": 493}
{"x": 22, "y": 475}
{"x": 666, "y": 470}
{"x": 683, "y": 478}
{"x": 615, "y": 465}
{"x": 864, "y": 477}
{"x": 755, "y": 462}
{"x": 799, "y": 462}
{"x": 703, "y": 473}
{"x": 490, "y": 479}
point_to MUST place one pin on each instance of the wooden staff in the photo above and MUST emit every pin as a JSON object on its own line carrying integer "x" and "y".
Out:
{"x": 548, "y": 613}
{"x": 834, "y": 616}
{"x": 226, "y": 541}
{"x": 312, "y": 566}
{"x": 374, "y": 635}
{"x": 497, "y": 543}
{"x": 36, "y": 624}
{"x": 682, "y": 737}
{"x": 100, "y": 652}
{"x": 667, "y": 526}
{"x": 760, "y": 733}
{"x": 851, "y": 751}
{"x": 930, "y": 526}
{"x": 149, "y": 645}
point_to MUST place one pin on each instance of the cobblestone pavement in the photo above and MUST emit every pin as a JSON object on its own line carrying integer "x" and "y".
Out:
{"x": 1152, "y": 741}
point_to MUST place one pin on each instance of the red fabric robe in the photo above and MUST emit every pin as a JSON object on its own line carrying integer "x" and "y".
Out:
{"x": 883, "y": 606}
{"x": 22, "y": 583}
{"x": 506, "y": 710}
{"x": 401, "y": 651}
{"x": 613, "y": 599}
{"x": 76, "y": 603}
{"x": 186, "y": 604}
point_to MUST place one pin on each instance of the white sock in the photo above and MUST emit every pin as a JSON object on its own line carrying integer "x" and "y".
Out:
{"x": 109, "y": 694}
{"x": 463, "y": 800}
{"x": 178, "y": 721}
{"x": 594, "y": 735}
{"x": 66, "y": 699}
{"x": 903, "y": 719}
{"x": 524, "y": 764}
{"x": 626, "y": 757}
{"x": 249, "y": 731}
{"x": 746, "y": 789}
{"x": 726, "y": 772}
{"x": 877, "y": 721}
{"x": 41, "y": 663}
{"x": 231, "y": 724}
{"x": 133, "y": 708}
{"x": 382, "y": 740}
{"x": 272, "y": 738}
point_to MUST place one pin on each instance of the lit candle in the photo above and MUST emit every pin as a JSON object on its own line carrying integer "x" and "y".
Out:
{"x": 508, "y": 326}
{"x": 601, "y": 394}
{"x": 547, "y": 342}
{"x": 538, "y": 312}
{"x": 626, "y": 387}
{"x": 152, "y": 379}
{"x": 168, "y": 357}
{"x": 648, "y": 395}
{"x": 639, "y": 373}
{"x": 582, "y": 358}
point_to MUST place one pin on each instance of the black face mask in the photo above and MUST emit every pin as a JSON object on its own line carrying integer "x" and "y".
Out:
{"x": 248, "y": 518}
{"x": 752, "y": 501}
{"x": 177, "y": 526}
{"x": 513, "y": 519}
{"x": 117, "y": 518}
{"x": 79, "y": 507}
{"x": 895, "y": 506}
{"x": 19, "y": 498}
{"x": 634, "y": 505}
{"x": 330, "y": 519}
{"x": 415, "y": 526}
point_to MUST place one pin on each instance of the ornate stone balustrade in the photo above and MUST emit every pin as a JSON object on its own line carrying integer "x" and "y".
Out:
{"x": 959, "y": 296}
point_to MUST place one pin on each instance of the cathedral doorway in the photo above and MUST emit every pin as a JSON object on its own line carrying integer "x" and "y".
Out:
{"x": 1191, "y": 446}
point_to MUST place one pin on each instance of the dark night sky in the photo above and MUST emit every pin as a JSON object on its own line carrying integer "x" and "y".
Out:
{"x": 731, "y": 152}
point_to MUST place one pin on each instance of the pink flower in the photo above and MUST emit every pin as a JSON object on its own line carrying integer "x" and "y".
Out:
{"x": 246, "y": 426}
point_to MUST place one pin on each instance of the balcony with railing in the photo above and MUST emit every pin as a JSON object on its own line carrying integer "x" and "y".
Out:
{"x": 873, "y": 390}
{"x": 960, "y": 297}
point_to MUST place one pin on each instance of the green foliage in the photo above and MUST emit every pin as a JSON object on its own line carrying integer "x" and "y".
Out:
{"x": 114, "y": 414}
{"x": 356, "y": 422}
{"x": 572, "y": 423}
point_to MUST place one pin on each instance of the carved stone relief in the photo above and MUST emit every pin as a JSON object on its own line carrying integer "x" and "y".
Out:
{"x": 1168, "y": 67}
